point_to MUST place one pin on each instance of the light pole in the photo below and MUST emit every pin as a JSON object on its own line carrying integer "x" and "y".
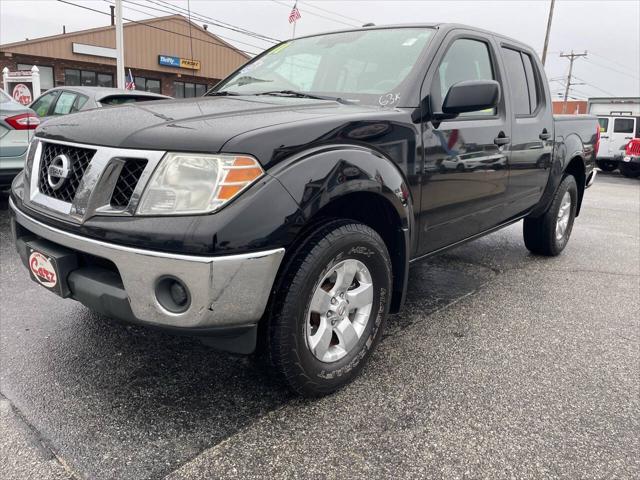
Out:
{"x": 119, "y": 46}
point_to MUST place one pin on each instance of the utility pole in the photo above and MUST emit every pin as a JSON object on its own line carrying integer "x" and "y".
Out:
{"x": 546, "y": 37}
{"x": 571, "y": 56}
{"x": 119, "y": 46}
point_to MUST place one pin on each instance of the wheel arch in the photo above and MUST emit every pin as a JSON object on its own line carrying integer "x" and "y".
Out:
{"x": 360, "y": 184}
{"x": 576, "y": 168}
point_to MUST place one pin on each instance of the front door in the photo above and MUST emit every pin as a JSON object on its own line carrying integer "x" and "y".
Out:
{"x": 465, "y": 169}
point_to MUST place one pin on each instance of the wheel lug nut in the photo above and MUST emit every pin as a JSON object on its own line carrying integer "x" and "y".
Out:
{"x": 334, "y": 300}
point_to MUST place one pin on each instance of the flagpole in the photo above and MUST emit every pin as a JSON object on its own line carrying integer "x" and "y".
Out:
{"x": 294, "y": 29}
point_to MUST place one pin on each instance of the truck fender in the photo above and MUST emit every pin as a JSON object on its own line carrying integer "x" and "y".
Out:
{"x": 324, "y": 176}
{"x": 567, "y": 152}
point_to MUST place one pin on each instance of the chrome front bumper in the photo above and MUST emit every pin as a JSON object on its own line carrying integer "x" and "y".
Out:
{"x": 225, "y": 291}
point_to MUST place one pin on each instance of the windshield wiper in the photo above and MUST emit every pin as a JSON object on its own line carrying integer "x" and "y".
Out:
{"x": 294, "y": 93}
{"x": 221, "y": 93}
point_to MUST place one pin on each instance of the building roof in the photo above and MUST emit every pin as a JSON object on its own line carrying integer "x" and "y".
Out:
{"x": 168, "y": 35}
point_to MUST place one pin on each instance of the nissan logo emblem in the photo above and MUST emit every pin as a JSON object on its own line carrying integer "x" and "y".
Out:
{"x": 58, "y": 171}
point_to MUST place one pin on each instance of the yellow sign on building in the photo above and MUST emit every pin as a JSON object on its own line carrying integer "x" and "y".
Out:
{"x": 190, "y": 64}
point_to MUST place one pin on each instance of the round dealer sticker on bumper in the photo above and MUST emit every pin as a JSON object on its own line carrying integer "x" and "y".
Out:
{"x": 43, "y": 270}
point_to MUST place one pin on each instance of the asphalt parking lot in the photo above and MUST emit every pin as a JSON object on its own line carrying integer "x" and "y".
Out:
{"x": 502, "y": 365}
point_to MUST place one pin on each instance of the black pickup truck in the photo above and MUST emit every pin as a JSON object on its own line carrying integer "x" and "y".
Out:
{"x": 283, "y": 209}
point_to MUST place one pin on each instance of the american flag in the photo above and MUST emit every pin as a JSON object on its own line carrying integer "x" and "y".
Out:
{"x": 129, "y": 84}
{"x": 295, "y": 14}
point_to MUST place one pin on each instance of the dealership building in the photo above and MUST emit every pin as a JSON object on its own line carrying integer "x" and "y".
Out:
{"x": 166, "y": 55}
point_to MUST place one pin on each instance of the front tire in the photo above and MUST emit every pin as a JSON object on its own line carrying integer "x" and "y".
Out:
{"x": 549, "y": 233}
{"x": 331, "y": 308}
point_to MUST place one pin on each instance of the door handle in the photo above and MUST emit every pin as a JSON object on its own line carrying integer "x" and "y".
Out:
{"x": 544, "y": 135}
{"x": 604, "y": 136}
{"x": 501, "y": 139}
{"x": 628, "y": 138}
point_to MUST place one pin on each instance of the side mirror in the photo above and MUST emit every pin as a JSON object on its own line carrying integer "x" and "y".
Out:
{"x": 471, "y": 96}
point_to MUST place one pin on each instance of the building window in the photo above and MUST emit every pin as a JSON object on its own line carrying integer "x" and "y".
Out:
{"x": 147, "y": 84}
{"x": 105, "y": 80}
{"x": 87, "y": 78}
{"x": 189, "y": 90}
{"x": 46, "y": 75}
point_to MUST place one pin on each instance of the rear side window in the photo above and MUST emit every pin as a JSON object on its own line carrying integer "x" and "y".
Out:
{"x": 604, "y": 124}
{"x": 466, "y": 59}
{"x": 532, "y": 81}
{"x": 517, "y": 81}
{"x": 65, "y": 102}
{"x": 623, "y": 125}
{"x": 522, "y": 81}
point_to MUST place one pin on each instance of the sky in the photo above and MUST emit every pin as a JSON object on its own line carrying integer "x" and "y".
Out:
{"x": 609, "y": 30}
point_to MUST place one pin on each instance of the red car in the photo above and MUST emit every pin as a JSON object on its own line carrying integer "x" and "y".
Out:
{"x": 630, "y": 164}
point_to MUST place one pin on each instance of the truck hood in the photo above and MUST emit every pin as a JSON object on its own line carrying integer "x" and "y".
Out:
{"x": 201, "y": 124}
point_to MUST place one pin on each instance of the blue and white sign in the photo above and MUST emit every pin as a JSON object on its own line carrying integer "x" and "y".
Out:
{"x": 168, "y": 61}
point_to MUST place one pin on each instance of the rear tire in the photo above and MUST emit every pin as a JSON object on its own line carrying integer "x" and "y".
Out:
{"x": 549, "y": 233}
{"x": 630, "y": 170}
{"x": 330, "y": 310}
{"x": 607, "y": 165}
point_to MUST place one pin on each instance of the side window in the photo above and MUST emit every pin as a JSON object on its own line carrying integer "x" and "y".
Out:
{"x": 532, "y": 81}
{"x": 41, "y": 106}
{"x": 604, "y": 124}
{"x": 64, "y": 103}
{"x": 623, "y": 125}
{"x": 466, "y": 59}
{"x": 80, "y": 101}
{"x": 517, "y": 81}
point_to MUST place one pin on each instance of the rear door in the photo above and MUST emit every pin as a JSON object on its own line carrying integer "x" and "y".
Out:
{"x": 465, "y": 171}
{"x": 531, "y": 129}
{"x": 623, "y": 130}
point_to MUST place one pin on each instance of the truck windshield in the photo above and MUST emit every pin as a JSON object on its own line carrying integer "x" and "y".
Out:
{"x": 366, "y": 66}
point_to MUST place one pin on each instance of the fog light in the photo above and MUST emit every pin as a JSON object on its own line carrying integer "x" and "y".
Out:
{"x": 172, "y": 294}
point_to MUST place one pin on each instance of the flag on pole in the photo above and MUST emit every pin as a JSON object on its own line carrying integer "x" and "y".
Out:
{"x": 294, "y": 16}
{"x": 130, "y": 84}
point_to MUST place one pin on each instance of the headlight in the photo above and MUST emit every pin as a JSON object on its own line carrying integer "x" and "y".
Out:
{"x": 189, "y": 183}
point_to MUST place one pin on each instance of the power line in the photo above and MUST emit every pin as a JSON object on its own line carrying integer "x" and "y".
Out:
{"x": 149, "y": 15}
{"x": 318, "y": 15}
{"x": 609, "y": 60}
{"x": 613, "y": 69}
{"x": 213, "y": 21}
{"x": 159, "y": 28}
{"x": 593, "y": 86}
{"x": 307, "y": 4}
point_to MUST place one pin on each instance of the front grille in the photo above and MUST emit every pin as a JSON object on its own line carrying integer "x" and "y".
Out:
{"x": 127, "y": 181}
{"x": 79, "y": 161}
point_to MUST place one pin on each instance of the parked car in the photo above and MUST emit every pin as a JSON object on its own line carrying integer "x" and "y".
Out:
{"x": 630, "y": 163}
{"x": 285, "y": 208}
{"x": 65, "y": 100}
{"x": 615, "y": 133}
{"x": 17, "y": 125}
